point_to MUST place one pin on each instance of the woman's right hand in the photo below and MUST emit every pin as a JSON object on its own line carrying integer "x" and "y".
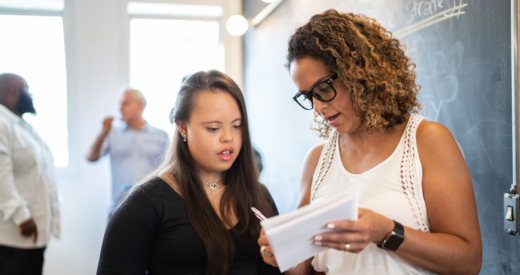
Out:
{"x": 262, "y": 241}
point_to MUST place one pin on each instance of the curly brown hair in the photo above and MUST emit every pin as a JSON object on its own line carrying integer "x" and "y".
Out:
{"x": 371, "y": 64}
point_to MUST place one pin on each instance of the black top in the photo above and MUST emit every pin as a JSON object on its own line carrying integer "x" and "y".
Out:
{"x": 150, "y": 233}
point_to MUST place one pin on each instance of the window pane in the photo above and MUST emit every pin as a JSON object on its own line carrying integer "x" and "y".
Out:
{"x": 164, "y": 51}
{"x": 33, "y": 47}
{"x": 32, "y": 5}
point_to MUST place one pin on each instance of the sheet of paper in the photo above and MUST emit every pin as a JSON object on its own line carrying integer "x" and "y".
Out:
{"x": 291, "y": 235}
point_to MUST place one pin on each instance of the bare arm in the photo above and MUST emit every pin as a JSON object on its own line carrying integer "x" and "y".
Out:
{"x": 309, "y": 165}
{"x": 95, "y": 150}
{"x": 454, "y": 245}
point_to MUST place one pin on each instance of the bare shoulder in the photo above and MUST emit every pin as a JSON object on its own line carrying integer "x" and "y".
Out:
{"x": 309, "y": 166}
{"x": 433, "y": 136}
{"x": 436, "y": 144}
{"x": 313, "y": 156}
{"x": 430, "y": 130}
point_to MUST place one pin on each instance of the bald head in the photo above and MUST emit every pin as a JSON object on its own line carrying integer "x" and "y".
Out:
{"x": 135, "y": 95}
{"x": 8, "y": 82}
{"x": 132, "y": 105}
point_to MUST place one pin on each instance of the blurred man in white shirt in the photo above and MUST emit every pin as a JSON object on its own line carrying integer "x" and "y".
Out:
{"x": 28, "y": 197}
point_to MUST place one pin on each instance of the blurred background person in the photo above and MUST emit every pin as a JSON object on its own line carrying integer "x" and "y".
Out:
{"x": 258, "y": 161}
{"x": 135, "y": 147}
{"x": 28, "y": 197}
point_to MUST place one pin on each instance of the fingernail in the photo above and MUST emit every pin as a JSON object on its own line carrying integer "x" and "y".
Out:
{"x": 317, "y": 243}
{"x": 318, "y": 238}
{"x": 330, "y": 226}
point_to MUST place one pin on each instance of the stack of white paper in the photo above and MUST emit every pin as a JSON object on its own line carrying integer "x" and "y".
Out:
{"x": 291, "y": 235}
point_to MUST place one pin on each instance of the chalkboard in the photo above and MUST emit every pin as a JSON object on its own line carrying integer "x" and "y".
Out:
{"x": 462, "y": 50}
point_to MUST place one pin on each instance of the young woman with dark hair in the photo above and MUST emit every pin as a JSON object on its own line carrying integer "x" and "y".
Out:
{"x": 192, "y": 216}
{"x": 417, "y": 210}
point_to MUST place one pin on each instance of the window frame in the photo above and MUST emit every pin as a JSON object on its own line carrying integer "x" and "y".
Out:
{"x": 124, "y": 53}
{"x": 72, "y": 115}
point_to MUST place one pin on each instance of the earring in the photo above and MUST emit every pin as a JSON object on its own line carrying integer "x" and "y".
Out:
{"x": 184, "y": 138}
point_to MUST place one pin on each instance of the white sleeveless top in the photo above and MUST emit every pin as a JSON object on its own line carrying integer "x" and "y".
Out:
{"x": 393, "y": 188}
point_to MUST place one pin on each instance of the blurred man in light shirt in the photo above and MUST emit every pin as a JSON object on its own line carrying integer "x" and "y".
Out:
{"x": 135, "y": 147}
{"x": 29, "y": 210}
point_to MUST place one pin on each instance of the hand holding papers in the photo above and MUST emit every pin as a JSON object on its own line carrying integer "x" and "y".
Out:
{"x": 291, "y": 235}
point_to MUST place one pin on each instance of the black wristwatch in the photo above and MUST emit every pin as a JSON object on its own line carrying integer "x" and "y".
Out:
{"x": 394, "y": 239}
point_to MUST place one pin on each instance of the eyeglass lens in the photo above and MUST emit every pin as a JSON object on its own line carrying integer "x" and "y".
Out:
{"x": 322, "y": 92}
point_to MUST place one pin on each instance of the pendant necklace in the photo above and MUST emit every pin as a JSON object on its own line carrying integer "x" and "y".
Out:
{"x": 213, "y": 185}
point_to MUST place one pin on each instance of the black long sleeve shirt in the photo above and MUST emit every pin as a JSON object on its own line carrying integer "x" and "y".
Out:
{"x": 150, "y": 233}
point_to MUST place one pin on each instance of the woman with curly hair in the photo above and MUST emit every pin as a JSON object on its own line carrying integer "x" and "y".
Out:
{"x": 417, "y": 212}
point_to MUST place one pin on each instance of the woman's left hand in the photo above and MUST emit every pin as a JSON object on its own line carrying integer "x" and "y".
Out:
{"x": 369, "y": 228}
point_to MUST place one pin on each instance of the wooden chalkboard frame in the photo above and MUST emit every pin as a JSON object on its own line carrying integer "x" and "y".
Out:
{"x": 515, "y": 28}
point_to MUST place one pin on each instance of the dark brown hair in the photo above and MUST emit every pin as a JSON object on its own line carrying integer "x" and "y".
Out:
{"x": 371, "y": 63}
{"x": 242, "y": 187}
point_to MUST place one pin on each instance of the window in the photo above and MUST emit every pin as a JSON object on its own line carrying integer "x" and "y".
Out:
{"x": 163, "y": 52}
{"x": 33, "y": 47}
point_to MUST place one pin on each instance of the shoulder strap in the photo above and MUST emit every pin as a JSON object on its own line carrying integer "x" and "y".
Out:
{"x": 326, "y": 157}
{"x": 409, "y": 180}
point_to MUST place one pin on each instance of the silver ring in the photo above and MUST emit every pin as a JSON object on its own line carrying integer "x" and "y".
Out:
{"x": 262, "y": 250}
{"x": 347, "y": 247}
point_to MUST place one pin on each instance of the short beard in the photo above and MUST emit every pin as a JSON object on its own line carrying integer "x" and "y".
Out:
{"x": 25, "y": 104}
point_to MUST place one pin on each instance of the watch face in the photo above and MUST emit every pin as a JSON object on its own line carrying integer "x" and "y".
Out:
{"x": 393, "y": 242}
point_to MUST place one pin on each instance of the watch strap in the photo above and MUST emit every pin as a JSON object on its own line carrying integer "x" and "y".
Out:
{"x": 398, "y": 229}
{"x": 397, "y": 233}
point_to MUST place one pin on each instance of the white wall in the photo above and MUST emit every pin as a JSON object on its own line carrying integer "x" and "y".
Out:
{"x": 97, "y": 66}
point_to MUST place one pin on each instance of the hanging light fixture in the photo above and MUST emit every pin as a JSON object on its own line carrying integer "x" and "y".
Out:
{"x": 237, "y": 25}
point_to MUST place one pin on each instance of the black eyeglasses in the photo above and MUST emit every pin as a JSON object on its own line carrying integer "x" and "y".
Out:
{"x": 323, "y": 91}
